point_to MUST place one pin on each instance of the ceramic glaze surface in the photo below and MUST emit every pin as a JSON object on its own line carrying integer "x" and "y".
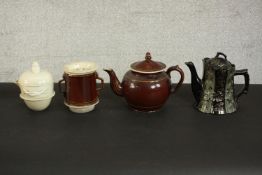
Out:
{"x": 80, "y": 90}
{"x": 80, "y": 68}
{"x": 146, "y": 92}
{"x": 146, "y": 87}
{"x": 215, "y": 93}
{"x": 37, "y": 88}
{"x": 36, "y": 84}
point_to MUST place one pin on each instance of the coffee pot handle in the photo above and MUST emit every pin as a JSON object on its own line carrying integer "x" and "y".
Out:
{"x": 178, "y": 69}
{"x": 243, "y": 72}
{"x": 102, "y": 82}
{"x": 60, "y": 86}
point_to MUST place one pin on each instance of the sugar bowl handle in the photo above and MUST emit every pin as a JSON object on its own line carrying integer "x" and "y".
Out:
{"x": 178, "y": 69}
{"x": 243, "y": 72}
{"x": 101, "y": 84}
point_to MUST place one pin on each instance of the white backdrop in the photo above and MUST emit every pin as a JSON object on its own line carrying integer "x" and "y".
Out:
{"x": 115, "y": 33}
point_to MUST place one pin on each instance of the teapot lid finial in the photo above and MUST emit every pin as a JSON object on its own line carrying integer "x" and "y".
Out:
{"x": 148, "y": 56}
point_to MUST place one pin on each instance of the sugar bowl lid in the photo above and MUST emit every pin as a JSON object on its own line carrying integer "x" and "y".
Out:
{"x": 35, "y": 77}
{"x": 148, "y": 65}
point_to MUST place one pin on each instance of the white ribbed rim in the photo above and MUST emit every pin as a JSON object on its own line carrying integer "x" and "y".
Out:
{"x": 80, "y": 68}
{"x": 143, "y": 72}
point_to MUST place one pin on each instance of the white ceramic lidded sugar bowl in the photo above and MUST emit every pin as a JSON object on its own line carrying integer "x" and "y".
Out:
{"x": 37, "y": 88}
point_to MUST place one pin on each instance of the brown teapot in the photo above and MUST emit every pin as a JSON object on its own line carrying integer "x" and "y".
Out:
{"x": 146, "y": 86}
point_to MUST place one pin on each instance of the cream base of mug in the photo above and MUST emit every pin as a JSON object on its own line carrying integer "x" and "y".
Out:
{"x": 37, "y": 104}
{"x": 82, "y": 109}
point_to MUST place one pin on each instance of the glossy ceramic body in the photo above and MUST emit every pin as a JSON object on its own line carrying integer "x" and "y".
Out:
{"x": 145, "y": 87}
{"x": 146, "y": 92}
{"x": 215, "y": 93}
{"x": 37, "y": 88}
{"x": 80, "y": 90}
{"x": 38, "y": 105}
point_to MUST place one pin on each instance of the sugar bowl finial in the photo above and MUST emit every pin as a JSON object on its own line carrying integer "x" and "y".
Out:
{"x": 35, "y": 67}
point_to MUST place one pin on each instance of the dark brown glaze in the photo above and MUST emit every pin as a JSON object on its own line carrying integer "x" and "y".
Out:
{"x": 146, "y": 92}
{"x": 147, "y": 65}
{"x": 146, "y": 87}
{"x": 115, "y": 83}
{"x": 80, "y": 89}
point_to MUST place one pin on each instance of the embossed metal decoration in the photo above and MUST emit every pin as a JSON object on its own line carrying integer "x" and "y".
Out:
{"x": 215, "y": 93}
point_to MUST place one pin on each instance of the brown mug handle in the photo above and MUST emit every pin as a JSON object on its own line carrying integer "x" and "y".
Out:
{"x": 102, "y": 82}
{"x": 243, "y": 72}
{"x": 60, "y": 86}
{"x": 178, "y": 69}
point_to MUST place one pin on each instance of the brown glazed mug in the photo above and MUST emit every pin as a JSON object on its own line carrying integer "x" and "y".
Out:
{"x": 80, "y": 90}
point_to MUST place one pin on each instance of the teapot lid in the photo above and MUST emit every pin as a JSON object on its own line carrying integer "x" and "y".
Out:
{"x": 148, "y": 65}
{"x": 219, "y": 62}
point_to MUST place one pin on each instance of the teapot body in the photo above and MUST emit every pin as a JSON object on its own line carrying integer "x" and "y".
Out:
{"x": 146, "y": 92}
{"x": 146, "y": 86}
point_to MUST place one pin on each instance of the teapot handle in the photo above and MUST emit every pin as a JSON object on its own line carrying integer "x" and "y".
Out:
{"x": 243, "y": 72}
{"x": 178, "y": 69}
{"x": 220, "y": 53}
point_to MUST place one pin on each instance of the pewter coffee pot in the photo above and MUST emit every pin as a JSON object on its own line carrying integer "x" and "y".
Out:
{"x": 215, "y": 93}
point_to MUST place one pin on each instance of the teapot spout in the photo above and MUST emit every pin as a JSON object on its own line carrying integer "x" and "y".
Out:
{"x": 114, "y": 82}
{"x": 196, "y": 83}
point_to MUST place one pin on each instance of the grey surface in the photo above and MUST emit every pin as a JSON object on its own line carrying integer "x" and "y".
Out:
{"x": 114, "y": 33}
{"x": 116, "y": 140}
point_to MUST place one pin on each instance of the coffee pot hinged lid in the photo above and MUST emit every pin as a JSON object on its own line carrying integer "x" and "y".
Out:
{"x": 219, "y": 62}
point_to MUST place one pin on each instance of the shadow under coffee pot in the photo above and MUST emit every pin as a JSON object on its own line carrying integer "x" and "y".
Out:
{"x": 215, "y": 93}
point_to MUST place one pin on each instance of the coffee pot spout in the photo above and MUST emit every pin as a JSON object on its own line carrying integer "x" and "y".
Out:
{"x": 196, "y": 82}
{"x": 114, "y": 82}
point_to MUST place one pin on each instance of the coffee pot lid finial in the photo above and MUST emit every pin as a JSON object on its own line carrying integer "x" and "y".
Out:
{"x": 220, "y": 62}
